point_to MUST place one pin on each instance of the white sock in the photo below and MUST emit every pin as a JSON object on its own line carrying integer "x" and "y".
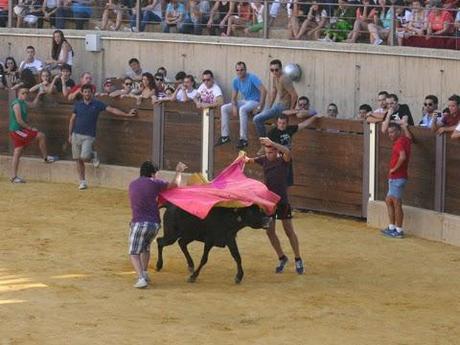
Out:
{"x": 398, "y": 229}
{"x": 391, "y": 226}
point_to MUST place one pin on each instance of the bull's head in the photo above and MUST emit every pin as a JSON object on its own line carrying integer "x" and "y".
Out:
{"x": 253, "y": 217}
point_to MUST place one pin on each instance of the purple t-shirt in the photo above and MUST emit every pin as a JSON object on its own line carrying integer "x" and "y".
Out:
{"x": 275, "y": 173}
{"x": 143, "y": 195}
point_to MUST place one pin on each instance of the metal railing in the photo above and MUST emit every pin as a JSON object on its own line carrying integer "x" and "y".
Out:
{"x": 391, "y": 24}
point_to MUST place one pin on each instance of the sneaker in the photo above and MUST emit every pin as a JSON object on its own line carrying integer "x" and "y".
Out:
{"x": 133, "y": 29}
{"x": 17, "y": 179}
{"x": 141, "y": 283}
{"x": 282, "y": 264}
{"x": 394, "y": 234}
{"x": 95, "y": 161}
{"x": 242, "y": 144}
{"x": 378, "y": 42}
{"x": 222, "y": 141}
{"x": 386, "y": 231}
{"x": 83, "y": 185}
{"x": 299, "y": 266}
{"x": 51, "y": 159}
{"x": 146, "y": 277}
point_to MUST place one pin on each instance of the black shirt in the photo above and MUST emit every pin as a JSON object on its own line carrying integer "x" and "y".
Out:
{"x": 275, "y": 173}
{"x": 69, "y": 83}
{"x": 402, "y": 111}
{"x": 283, "y": 137}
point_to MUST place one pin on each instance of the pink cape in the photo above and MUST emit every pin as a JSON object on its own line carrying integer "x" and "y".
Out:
{"x": 232, "y": 187}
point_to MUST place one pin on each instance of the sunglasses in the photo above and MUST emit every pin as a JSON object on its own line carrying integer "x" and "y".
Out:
{"x": 428, "y": 104}
{"x": 129, "y": 84}
{"x": 274, "y": 69}
{"x": 303, "y": 104}
{"x": 159, "y": 79}
{"x": 240, "y": 70}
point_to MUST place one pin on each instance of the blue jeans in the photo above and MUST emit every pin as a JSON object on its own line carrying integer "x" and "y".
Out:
{"x": 396, "y": 187}
{"x": 147, "y": 17}
{"x": 271, "y": 113}
{"x": 62, "y": 13}
{"x": 3, "y": 18}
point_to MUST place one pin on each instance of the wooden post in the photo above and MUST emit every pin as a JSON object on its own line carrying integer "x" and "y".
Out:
{"x": 368, "y": 156}
{"x": 440, "y": 173}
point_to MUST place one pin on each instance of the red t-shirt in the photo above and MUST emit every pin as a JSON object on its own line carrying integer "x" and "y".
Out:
{"x": 401, "y": 144}
{"x": 77, "y": 87}
{"x": 4, "y": 5}
{"x": 437, "y": 22}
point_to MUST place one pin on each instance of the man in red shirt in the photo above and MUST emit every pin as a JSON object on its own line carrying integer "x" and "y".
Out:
{"x": 75, "y": 93}
{"x": 397, "y": 178}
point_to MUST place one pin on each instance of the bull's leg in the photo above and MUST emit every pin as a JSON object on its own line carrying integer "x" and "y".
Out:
{"x": 204, "y": 259}
{"x": 233, "y": 247}
{"x": 162, "y": 242}
{"x": 183, "y": 246}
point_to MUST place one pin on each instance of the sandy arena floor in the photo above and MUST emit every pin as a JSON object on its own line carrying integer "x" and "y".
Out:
{"x": 65, "y": 278}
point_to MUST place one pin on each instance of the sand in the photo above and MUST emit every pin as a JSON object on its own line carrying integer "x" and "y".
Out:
{"x": 65, "y": 278}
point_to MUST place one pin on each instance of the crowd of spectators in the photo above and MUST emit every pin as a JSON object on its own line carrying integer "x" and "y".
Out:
{"x": 325, "y": 20}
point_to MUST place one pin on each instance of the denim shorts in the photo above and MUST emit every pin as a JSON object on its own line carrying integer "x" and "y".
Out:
{"x": 396, "y": 187}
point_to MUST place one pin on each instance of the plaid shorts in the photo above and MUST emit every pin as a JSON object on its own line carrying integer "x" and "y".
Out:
{"x": 141, "y": 236}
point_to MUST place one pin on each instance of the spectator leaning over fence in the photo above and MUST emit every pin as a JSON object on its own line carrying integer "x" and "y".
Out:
{"x": 440, "y": 20}
{"x": 49, "y": 9}
{"x": 303, "y": 109}
{"x": 32, "y": 63}
{"x": 3, "y": 13}
{"x": 162, "y": 70}
{"x": 448, "y": 122}
{"x": 62, "y": 81}
{"x": 134, "y": 70}
{"x": 364, "y": 111}
{"x": 283, "y": 97}
{"x": 179, "y": 78}
{"x": 23, "y": 134}
{"x": 45, "y": 86}
{"x": 75, "y": 92}
{"x": 185, "y": 92}
{"x": 378, "y": 115}
{"x": 82, "y": 130}
{"x": 61, "y": 51}
{"x": 151, "y": 13}
{"x": 127, "y": 88}
{"x": 397, "y": 178}
{"x": 430, "y": 111}
{"x": 275, "y": 163}
{"x": 253, "y": 94}
{"x": 332, "y": 110}
{"x": 147, "y": 89}
{"x": 396, "y": 113}
{"x": 209, "y": 93}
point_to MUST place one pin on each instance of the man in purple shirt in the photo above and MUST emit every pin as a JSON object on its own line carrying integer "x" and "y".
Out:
{"x": 145, "y": 222}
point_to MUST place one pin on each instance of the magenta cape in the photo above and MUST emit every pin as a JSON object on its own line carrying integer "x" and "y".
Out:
{"x": 232, "y": 188}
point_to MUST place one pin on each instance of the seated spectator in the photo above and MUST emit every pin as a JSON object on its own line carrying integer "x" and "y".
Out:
{"x": 209, "y": 93}
{"x": 199, "y": 15}
{"x": 417, "y": 24}
{"x": 151, "y": 13}
{"x": 397, "y": 113}
{"x": 257, "y": 24}
{"x": 381, "y": 30}
{"x": 364, "y": 111}
{"x": 364, "y": 16}
{"x": 332, "y": 110}
{"x": 164, "y": 72}
{"x": 317, "y": 19}
{"x": 275, "y": 8}
{"x": 180, "y": 76}
{"x": 112, "y": 7}
{"x": 127, "y": 89}
{"x": 218, "y": 18}
{"x": 82, "y": 11}
{"x": 302, "y": 110}
{"x": 239, "y": 20}
{"x": 49, "y": 9}
{"x": 62, "y": 80}
{"x": 29, "y": 12}
{"x": 85, "y": 79}
{"x": 186, "y": 92}
{"x": 168, "y": 95}
{"x": 449, "y": 120}
{"x": 135, "y": 71}
{"x": 45, "y": 86}
{"x": 440, "y": 21}
{"x": 378, "y": 115}
{"x": 147, "y": 89}
{"x": 107, "y": 88}
{"x": 341, "y": 23}
{"x": 3, "y": 13}
{"x": 11, "y": 72}
{"x": 160, "y": 86}
{"x": 35, "y": 65}
{"x": 430, "y": 111}
{"x": 61, "y": 51}
{"x": 300, "y": 10}
{"x": 63, "y": 12}
{"x": 26, "y": 79}
{"x": 175, "y": 16}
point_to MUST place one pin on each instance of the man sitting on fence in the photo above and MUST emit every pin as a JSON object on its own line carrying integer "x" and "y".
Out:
{"x": 23, "y": 134}
{"x": 254, "y": 94}
{"x": 209, "y": 93}
{"x": 397, "y": 178}
{"x": 82, "y": 129}
{"x": 303, "y": 109}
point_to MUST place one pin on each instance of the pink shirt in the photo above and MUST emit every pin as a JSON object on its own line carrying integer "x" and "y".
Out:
{"x": 437, "y": 22}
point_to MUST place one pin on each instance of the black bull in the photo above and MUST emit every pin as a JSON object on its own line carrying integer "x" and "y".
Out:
{"x": 218, "y": 229}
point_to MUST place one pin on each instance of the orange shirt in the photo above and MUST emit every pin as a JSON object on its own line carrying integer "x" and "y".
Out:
{"x": 4, "y": 4}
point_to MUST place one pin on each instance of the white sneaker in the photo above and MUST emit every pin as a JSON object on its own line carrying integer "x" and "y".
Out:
{"x": 17, "y": 179}
{"x": 378, "y": 42}
{"x": 141, "y": 283}
{"x": 51, "y": 159}
{"x": 146, "y": 276}
{"x": 95, "y": 161}
{"x": 83, "y": 185}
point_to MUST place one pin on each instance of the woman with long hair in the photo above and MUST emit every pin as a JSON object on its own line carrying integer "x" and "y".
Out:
{"x": 147, "y": 89}
{"x": 45, "y": 85}
{"x": 61, "y": 50}
{"x": 11, "y": 71}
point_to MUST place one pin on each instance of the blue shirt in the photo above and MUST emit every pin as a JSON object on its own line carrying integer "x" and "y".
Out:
{"x": 248, "y": 87}
{"x": 86, "y": 116}
{"x": 180, "y": 9}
